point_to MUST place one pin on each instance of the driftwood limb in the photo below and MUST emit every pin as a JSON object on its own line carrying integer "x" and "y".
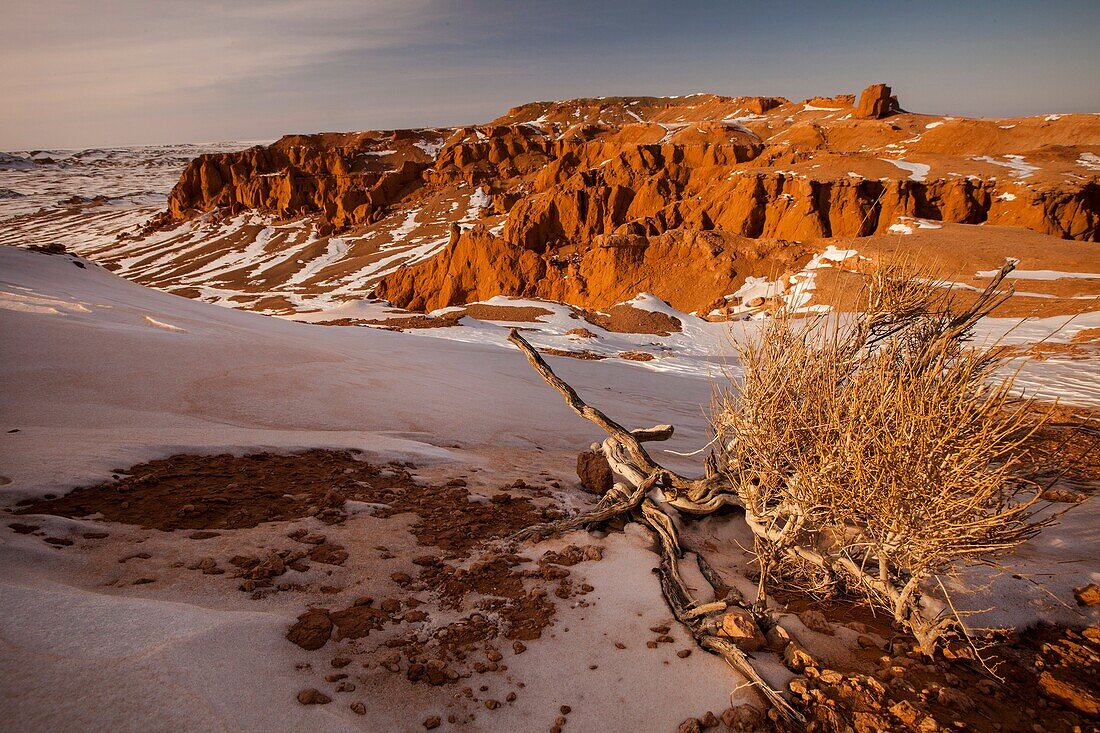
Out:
{"x": 615, "y": 502}
{"x": 626, "y": 438}
{"x": 702, "y": 619}
{"x": 624, "y": 452}
{"x": 623, "y": 448}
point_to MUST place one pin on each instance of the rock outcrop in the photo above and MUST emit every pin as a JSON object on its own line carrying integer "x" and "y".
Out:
{"x": 876, "y": 102}
{"x": 592, "y": 200}
{"x": 695, "y": 269}
{"x": 346, "y": 179}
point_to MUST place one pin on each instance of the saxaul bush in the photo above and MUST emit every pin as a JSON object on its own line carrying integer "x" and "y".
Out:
{"x": 876, "y": 452}
{"x": 870, "y": 453}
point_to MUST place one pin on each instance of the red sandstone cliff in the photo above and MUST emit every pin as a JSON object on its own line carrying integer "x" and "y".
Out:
{"x": 603, "y": 197}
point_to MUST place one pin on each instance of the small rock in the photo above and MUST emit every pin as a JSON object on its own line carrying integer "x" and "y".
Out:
{"x": 519, "y": 647}
{"x": 683, "y": 653}
{"x": 328, "y": 554}
{"x": 691, "y": 725}
{"x": 816, "y": 621}
{"x": 906, "y": 713}
{"x": 358, "y": 708}
{"x": 739, "y": 627}
{"x": 985, "y": 687}
{"x": 1071, "y": 695}
{"x": 777, "y": 638}
{"x": 866, "y": 642}
{"x": 1087, "y": 595}
{"x": 796, "y": 657}
{"x": 312, "y": 696}
{"x": 743, "y": 718}
{"x": 432, "y": 722}
{"x": 709, "y": 720}
{"x": 955, "y": 700}
{"x": 312, "y": 630}
{"x": 594, "y": 472}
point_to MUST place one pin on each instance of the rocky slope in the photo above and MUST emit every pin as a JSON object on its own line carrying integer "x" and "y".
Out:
{"x": 589, "y": 201}
{"x": 596, "y": 199}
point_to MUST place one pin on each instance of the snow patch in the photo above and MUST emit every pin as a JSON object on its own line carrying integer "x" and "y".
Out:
{"x": 917, "y": 171}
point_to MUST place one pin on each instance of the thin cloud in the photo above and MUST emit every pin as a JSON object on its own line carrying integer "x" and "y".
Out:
{"x": 78, "y": 73}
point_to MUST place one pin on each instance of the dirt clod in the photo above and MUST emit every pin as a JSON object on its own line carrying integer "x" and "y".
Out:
{"x": 313, "y": 696}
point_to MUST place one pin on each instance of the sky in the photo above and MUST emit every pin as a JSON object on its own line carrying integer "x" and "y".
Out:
{"x": 94, "y": 73}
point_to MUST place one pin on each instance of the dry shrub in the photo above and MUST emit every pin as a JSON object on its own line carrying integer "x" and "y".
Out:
{"x": 876, "y": 451}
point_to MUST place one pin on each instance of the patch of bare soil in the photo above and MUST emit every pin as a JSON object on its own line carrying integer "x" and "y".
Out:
{"x": 447, "y": 320}
{"x": 1051, "y": 679}
{"x": 625, "y": 318}
{"x": 510, "y": 313}
{"x": 470, "y": 601}
{"x": 636, "y": 355}
{"x": 226, "y": 491}
{"x": 1045, "y": 678}
{"x": 1067, "y": 453}
{"x": 507, "y": 602}
{"x": 584, "y": 354}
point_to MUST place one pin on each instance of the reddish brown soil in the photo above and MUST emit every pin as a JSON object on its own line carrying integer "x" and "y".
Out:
{"x": 510, "y": 313}
{"x": 584, "y": 355}
{"x": 1051, "y": 680}
{"x": 636, "y": 355}
{"x": 226, "y": 491}
{"x": 628, "y": 319}
{"x": 446, "y": 320}
{"x": 506, "y": 599}
{"x": 450, "y": 521}
{"x": 1067, "y": 451}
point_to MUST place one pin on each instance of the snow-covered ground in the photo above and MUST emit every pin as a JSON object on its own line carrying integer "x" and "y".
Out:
{"x": 97, "y": 202}
{"x": 97, "y": 372}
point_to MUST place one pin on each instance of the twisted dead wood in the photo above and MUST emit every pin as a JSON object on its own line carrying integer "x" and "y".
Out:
{"x": 624, "y": 452}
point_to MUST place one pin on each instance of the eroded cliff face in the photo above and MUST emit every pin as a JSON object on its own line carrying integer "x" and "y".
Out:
{"x": 346, "y": 179}
{"x": 694, "y": 270}
{"x": 630, "y": 192}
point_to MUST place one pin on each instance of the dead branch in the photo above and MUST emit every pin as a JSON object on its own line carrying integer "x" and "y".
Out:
{"x": 628, "y": 459}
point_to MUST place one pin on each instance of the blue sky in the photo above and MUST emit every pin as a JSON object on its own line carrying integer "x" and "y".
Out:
{"x": 78, "y": 73}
